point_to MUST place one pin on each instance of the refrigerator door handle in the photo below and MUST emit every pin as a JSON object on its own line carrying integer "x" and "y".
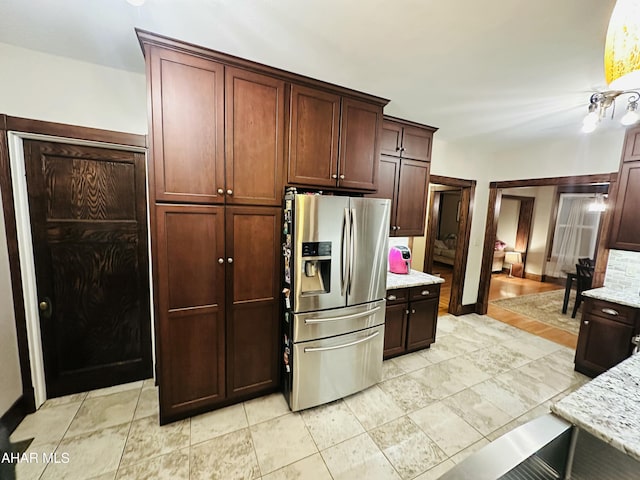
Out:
{"x": 353, "y": 247}
{"x": 342, "y": 317}
{"x": 345, "y": 253}
{"x": 344, "y": 345}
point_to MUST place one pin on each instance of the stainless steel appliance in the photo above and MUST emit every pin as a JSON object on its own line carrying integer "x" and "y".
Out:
{"x": 335, "y": 270}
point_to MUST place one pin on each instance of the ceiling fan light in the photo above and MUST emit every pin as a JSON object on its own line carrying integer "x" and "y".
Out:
{"x": 631, "y": 116}
{"x": 589, "y": 127}
{"x": 622, "y": 46}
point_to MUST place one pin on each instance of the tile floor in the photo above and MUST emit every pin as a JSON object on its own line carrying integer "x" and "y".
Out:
{"x": 433, "y": 408}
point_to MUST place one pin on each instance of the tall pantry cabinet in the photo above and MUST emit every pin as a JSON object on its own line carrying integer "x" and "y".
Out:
{"x": 215, "y": 174}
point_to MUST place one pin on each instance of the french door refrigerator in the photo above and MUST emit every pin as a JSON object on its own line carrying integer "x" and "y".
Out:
{"x": 335, "y": 270}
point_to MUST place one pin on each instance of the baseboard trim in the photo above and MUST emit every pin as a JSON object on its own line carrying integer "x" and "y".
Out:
{"x": 466, "y": 309}
{"x": 16, "y": 413}
{"x": 533, "y": 276}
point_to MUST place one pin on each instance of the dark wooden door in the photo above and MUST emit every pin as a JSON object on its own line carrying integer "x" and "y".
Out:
{"x": 421, "y": 325}
{"x": 359, "y": 133}
{"x": 395, "y": 328}
{"x": 190, "y": 286}
{"x": 253, "y": 273}
{"x": 412, "y": 198}
{"x": 625, "y": 229}
{"x": 391, "y": 138}
{"x": 313, "y": 137}
{"x": 254, "y": 138}
{"x": 388, "y": 176}
{"x": 187, "y": 110}
{"x": 89, "y": 228}
{"x": 416, "y": 143}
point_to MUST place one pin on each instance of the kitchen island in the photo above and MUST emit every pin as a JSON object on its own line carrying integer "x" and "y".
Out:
{"x": 412, "y": 312}
{"x": 608, "y": 407}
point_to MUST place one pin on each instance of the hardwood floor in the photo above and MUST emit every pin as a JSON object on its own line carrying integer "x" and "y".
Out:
{"x": 503, "y": 286}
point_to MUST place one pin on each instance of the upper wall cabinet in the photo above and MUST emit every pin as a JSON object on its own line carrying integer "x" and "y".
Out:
{"x": 405, "y": 140}
{"x": 333, "y": 140}
{"x": 200, "y": 106}
{"x": 625, "y": 228}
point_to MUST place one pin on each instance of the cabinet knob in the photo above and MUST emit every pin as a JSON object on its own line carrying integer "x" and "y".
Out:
{"x": 610, "y": 311}
{"x": 402, "y": 149}
{"x": 341, "y": 177}
{"x": 229, "y": 260}
{"x": 229, "y": 192}
{"x": 586, "y": 322}
{"x": 221, "y": 260}
{"x": 393, "y": 227}
{"x": 397, "y": 149}
{"x": 408, "y": 312}
{"x": 424, "y": 292}
{"x": 392, "y": 297}
{"x": 334, "y": 176}
{"x": 398, "y": 227}
{"x": 220, "y": 191}
{"x": 413, "y": 310}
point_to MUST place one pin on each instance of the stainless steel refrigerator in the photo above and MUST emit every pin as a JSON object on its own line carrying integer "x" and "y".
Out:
{"x": 335, "y": 270}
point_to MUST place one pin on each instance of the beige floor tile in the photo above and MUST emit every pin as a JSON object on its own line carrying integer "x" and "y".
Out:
{"x": 57, "y": 401}
{"x": 496, "y": 359}
{"x": 535, "y": 412}
{"x": 230, "y": 457}
{"x": 373, "y": 407}
{"x": 331, "y": 424}
{"x": 460, "y": 456}
{"x": 358, "y": 458}
{"x": 463, "y": 371}
{"x": 148, "y": 405}
{"x": 101, "y": 412}
{"x": 408, "y": 394}
{"x": 219, "y": 422}
{"x": 391, "y": 370}
{"x": 528, "y": 386}
{"x": 448, "y": 347}
{"x": 148, "y": 383}
{"x": 505, "y": 397}
{"x": 281, "y": 441}
{"x": 46, "y": 425}
{"x": 90, "y": 454}
{"x": 437, "y": 382}
{"x": 437, "y": 471}
{"x": 172, "y": 466}
{"x": 265, "y": 408}
{"x": 115, "y": 389}
{"x": 36, "y": 461}
{"x": 148, "y": 439}
{"x": 445, "y": 427}
{"x": 477, "y": 411}
{"x": 411, "y": 361}
{"x": 312, "y": 467}
{"x": 407, "y": 447}
{"x": 106, "y": 476}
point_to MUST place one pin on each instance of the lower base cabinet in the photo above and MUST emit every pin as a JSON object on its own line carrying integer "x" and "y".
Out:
{"x": 606, "y": 330}
{"x": 411, "y": 319}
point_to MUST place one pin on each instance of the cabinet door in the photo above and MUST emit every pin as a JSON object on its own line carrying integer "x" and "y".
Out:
{"x": 602, "y": 343}
{"x": 313, "y": 137}
{"x": 416, "y": 143}
{"x": 625, "y": 231}
{"x": 253, "y": 273}
{"x": 412, "y": 198}
{"x": 421, "y": 324}
{"x": 190, "y": 286}
{"x": 395, "y": 329}
{"x": 187, "y": 111}
{"x": 388, "y": 175}
{"x": 254, "y": 138}
{"x": 391, "y": 138}
{"x": 359, "y": 136}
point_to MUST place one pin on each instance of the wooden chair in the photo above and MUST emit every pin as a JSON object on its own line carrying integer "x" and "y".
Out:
{"x": 583, "y": 281}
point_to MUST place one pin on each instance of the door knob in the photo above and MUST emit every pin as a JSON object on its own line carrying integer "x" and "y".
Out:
{"x": 220, "y": 191}
{"x": 221, "y": 260}
{"x": 45, "y": 307}
{"x": 229, "y": 260}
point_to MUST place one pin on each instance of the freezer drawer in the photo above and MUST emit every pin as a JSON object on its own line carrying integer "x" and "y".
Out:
{"x": 332, "y": 368}
{"x": 327, "y": 323}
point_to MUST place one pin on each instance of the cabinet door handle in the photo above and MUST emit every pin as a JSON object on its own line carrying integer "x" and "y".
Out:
{"x": 392, "y": 297}
{"x": 229, "y": 260}
{"x": 220, "y": 191}
{"x": 586, "y": 322}
{"x": 334, "y": 176}
{"x": 610, "y": 311}
{"x": 424, "y": 292}
{"x": 221, "y": 260}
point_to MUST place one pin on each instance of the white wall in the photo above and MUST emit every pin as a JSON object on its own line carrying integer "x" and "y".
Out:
{"x": 10, "y": 382}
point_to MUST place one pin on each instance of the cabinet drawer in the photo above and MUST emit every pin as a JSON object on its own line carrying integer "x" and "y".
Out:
{"x": 424, "y": 292}
{"x": 611, "y": 311}
{"x": 397, "y": 295}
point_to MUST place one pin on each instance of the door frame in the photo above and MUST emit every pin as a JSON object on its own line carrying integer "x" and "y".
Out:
{"x": 525, "y": 222}
{"x": 493, "y": 212}
{"x": 13, "y": 184}
{"x": 467, "y": 194}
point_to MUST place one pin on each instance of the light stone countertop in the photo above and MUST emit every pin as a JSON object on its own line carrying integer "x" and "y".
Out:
{"x": 413, "y": 279}
{"x": 608, "y": 407}
{"x": 630, "y": 299}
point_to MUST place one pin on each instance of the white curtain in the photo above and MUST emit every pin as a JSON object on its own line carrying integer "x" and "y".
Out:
{"x": 575, "y": 234}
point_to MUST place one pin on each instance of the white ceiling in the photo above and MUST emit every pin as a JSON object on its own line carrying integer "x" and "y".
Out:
{"x": 491, "y": 72}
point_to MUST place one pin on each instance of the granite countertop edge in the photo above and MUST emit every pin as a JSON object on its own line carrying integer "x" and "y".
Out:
{"x": 413, "y": 279}
{"x": 608, "y": 407}
{"x": 630, "y": 299}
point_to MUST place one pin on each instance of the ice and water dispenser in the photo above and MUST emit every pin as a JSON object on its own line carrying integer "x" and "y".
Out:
{"x": 316, "y": 263}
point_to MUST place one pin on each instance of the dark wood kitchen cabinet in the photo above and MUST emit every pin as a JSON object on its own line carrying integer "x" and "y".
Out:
{"x": 625, "y": 228}
{"x": 604, "y": 340}
{"x": 403, "y": 180}
{"x": 333, "y": 140}
{"x": 190, "y": 97}
{"x": 410, "y": 319}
